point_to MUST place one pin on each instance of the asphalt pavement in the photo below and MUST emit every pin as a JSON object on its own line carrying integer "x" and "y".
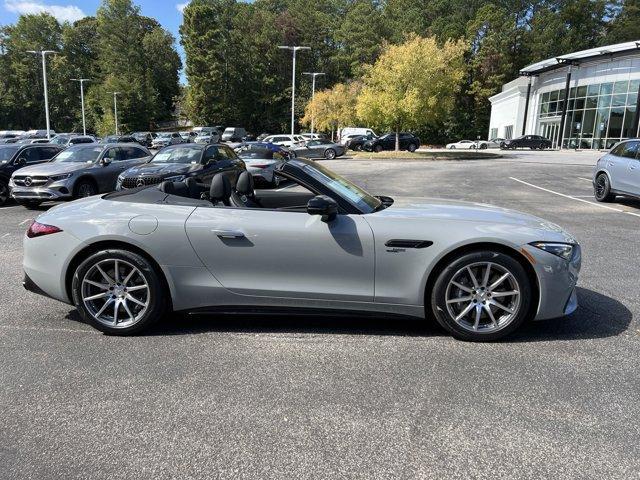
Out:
{"x": 249, "y": 397}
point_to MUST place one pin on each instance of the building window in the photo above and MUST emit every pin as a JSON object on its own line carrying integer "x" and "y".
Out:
{"x": 508, "y": 132}
{"x": 598, "y": 115}
{"x": 493, "y": 133}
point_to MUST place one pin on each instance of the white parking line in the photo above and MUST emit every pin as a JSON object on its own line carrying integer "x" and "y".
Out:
{"x": 619, "y": 210}
{"x": 586, "y": 179}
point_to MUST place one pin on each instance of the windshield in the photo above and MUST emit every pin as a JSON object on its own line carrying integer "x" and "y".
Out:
{"x": 6, "y": 153}
{"x": 78, "y": 155}
{"x": 178, "y": 155}
{"x": 343, "y": 187}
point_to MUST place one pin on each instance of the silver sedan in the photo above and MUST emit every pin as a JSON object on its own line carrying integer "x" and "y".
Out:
{"x": 125, "y": 259}
{"x": 320, "y": 148}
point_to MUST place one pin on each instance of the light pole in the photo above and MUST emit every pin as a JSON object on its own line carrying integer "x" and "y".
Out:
{"x": 115, "y": 108}
{"x": 44, "y": 81}
{"x": 313, "y": 93}
{"x": 293, "y": 49}
{"x": 82, "y": 80}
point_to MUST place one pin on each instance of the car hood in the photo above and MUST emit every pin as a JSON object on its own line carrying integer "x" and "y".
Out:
{"x": 54, "y": 168}
{"x": 162, "y": 169}
{"x": 453, "y": 210}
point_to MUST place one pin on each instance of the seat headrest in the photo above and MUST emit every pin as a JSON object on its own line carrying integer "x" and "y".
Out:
{"x": 220, "y": 190}
{"x": 192, "y": 187}
{"x": 245, "y": 185}
{"x": 174, "y": 188}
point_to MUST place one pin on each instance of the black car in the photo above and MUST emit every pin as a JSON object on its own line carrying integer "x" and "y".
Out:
{"x": 408, "y": 141}
{"x": 179, "y": 162}
{"x": 526, "y": 141}
{"x": 356, "y": 143}
{"x": 143, "y": 138}
{"x": 15, "y": 156}
{"x": 119, "y": 139}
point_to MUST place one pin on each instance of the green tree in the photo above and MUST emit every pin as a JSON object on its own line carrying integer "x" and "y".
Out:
{"x": 625, "y": 25}
{"x": 333, "y": 108}
{"x": 399, "y": 94}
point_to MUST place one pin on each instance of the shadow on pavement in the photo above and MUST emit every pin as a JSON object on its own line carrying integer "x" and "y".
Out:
{"x": 597, "y": 316}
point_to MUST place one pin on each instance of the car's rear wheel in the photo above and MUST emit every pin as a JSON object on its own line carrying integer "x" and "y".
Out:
{"x": 85, "y": 188}
{"x": 602, "y": 189}
{"x": 4, "y": 192}
{"x": 329, "y": 154}
{"x": 412, "y": 147}
{"x": 377, "y": 148}
{"x": 118, "y": 292}
{"x": 357, "y": 148}
{"x": 482, "y": 296}
{"x": 483, "y": 146}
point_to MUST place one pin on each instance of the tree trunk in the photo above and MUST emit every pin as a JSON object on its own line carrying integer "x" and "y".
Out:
{"x": 397, "y": 139}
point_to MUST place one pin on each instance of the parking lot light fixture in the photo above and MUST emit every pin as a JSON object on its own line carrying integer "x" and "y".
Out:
{"x": 44, "y": 53}
{"x": 294, "y": 50}
{"x": 313, "y": 92}
{"x": 82, "y": 80}
{"x": 115, "y": 108}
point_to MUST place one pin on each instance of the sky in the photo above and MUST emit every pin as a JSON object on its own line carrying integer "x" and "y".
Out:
{"x": 167, "y": 12}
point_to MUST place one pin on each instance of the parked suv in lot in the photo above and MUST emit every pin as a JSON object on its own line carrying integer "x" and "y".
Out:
{"x": 408, "y": 141}
{"x": 618, "y": 172}
{"x": 14, "y": 156}
{"x": 78, "y": 171}
{"x": 526, "y": 141}
{"x": 179, "y": 162}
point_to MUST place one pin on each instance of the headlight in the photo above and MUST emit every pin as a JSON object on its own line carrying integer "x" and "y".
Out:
{"x": 562, "y": 250}
{"x": 175, "y": 178}
{"x": 55, "y": 178}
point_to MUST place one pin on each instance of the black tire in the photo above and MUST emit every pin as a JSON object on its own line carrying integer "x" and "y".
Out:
{"x": 441, "y": 310}
{"x": 377, "y": 148}
{"x": 157, "y": 305}
{"x": 412, "y": 147}
{"x": 483, "y": 146}
{"x": 602, "y": 189}
{"x": 329, "y": 154}
{"x": 452, "y": 147}
{"x": 85, "y": 188}
{"x": 4, "y": 192}
{"x": 357, "y": 148}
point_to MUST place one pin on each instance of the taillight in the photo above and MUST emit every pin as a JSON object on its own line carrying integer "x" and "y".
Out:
{"x": 39, "y": 229}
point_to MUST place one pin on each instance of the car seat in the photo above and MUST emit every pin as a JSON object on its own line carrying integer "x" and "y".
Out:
{"x": 244, "y": 194}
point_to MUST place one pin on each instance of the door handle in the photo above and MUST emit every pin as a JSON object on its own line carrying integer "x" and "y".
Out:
{"x": 228, "y": 233}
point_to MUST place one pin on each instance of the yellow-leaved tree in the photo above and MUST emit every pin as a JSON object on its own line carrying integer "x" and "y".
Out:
{"x": 333, "y": 108}
{"x": 412, "y": 85}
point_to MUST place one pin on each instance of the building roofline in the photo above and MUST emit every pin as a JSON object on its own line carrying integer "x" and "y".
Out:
{"x": 576, "y": 58}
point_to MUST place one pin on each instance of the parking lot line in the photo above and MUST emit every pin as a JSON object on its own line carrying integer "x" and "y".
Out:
{"x": 619, "y": 210}
{"x": 586, "y": 179}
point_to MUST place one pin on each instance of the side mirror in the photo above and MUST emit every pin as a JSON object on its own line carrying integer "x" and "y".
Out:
{"x": 20, "y": 161}
{"x": 105, "y": 161}
{"x": 323, "y": 205}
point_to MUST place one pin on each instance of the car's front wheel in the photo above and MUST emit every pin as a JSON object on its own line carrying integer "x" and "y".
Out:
{"x": 602, "y": 189}
{"x": 482, "y": 296}
{"x": 412, "y": 147}
{"x": 85, "y": 188}
{"x": 377, "y": 148}
{"x": 329, "y": 154}
{"x": 118, "y": 292}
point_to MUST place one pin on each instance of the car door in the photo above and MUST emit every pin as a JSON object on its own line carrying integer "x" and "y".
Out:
{"x": 109, "y": 168}
{"x": 619, "y": 165}
{"x": 287, "y": 254}
{"x": 634, "y": 175}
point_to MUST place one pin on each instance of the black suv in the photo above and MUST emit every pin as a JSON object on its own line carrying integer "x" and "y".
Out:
{"x": 179, "y": 162}
{"x": 408, "y": 141}
{"x": 15, "y": 156}
{"x": 356, "y": 143}
{"x": 526, "y": 141}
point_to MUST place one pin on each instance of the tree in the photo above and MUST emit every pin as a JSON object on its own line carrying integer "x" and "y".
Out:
{"x": 399, "y": 94}
{"x": 333, "y": 108}
{"x": 625, "y": 25}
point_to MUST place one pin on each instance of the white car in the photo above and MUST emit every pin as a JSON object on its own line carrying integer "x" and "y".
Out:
{"x": 285, "y": 140}
{"x": 468, "y": 145}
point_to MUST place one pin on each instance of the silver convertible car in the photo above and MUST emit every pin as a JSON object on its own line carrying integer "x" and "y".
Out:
{"x": 125, "y": 258}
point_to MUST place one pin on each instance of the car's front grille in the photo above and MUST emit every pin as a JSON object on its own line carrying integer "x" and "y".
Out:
{"x": 29, "y": 181}
{"x": 135, "y": 182}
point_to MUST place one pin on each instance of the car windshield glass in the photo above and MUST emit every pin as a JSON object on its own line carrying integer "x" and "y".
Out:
{"x": 7, "y": 152}
{"x": 343, "y": 187}
{"x": 78, "y": 155}
{"x": 178, "y": 155}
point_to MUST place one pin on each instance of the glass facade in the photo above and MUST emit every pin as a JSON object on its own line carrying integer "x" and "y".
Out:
{"x": 598, "y": 115}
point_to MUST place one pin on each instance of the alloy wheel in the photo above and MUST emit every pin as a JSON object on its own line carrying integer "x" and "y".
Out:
{"x": 483, "y": 297}
{"x": 115, "y": 293}
{"x": 85, "y": 190}
{"x": 601, "y": 186}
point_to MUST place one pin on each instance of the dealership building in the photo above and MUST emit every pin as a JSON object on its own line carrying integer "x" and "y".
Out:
{"x": 601, "y": 86}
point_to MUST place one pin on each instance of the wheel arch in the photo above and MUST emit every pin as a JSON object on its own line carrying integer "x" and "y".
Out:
{"x": 83, "y": 178}
{"x": 90, "y": 249}
{"x": 480, "y": 246}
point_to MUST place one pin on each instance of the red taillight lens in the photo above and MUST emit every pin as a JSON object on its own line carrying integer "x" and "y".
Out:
{"x": 39, "y": 229}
